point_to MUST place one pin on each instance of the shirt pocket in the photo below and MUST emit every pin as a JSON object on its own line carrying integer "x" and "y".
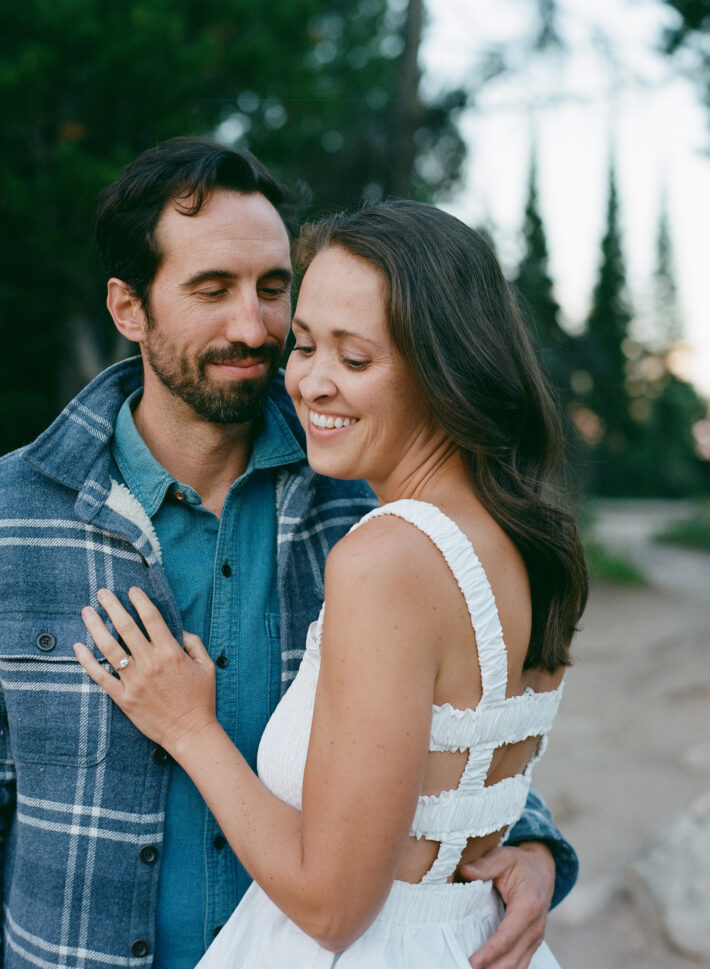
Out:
{"x": 56, "y": 713}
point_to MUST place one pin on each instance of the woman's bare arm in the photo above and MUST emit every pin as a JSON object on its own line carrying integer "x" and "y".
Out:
{"x": 330, "y": 867}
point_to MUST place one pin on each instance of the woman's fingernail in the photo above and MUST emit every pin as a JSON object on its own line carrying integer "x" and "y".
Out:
{"x": 101, "y": 594}
{"x": 87, "y": 612}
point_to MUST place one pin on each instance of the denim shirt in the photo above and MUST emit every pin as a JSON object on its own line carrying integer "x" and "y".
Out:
{"x": 223, "y": 574}
{"x": 82, "y": 792}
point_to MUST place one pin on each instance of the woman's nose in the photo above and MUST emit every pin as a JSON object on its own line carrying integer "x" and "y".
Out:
{"x": 317, "y": 382}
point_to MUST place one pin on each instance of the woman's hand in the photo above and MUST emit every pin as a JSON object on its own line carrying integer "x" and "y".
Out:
{"x": 168, "y": 692}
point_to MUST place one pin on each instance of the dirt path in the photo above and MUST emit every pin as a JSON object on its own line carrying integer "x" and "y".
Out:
{"x": 631, "y": 748}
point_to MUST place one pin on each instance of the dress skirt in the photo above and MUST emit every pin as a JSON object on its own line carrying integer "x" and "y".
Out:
{"x": 419, "y": 927}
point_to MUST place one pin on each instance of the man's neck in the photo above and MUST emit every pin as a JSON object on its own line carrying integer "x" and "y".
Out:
{"x": 206, "y": 456}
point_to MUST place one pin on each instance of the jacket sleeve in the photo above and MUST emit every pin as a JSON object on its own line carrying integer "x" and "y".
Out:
{"x": 537, "y": 824}
{"x": 7, "y": 800}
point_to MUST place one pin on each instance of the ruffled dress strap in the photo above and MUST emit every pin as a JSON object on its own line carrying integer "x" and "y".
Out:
{"x": 473, "y": 582}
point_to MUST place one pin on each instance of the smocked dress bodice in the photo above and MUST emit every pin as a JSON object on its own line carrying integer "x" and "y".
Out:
{"x": 435, "y": 923}
{"x": 472, "y": 809}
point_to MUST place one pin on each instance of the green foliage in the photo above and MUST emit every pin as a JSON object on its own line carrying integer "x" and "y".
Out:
{"x": 315, "y": 89}
{"x": 605, "y": 566}
{"x": 536, "y": 290}
{"x": 692, "y": 532}
{"x": 607, "y": 329}
{"x": 668, "y": 323}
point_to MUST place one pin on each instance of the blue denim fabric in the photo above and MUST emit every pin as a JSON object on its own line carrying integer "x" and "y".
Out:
{"x": 82, "y": 792}
{"x": 237, "y": 617}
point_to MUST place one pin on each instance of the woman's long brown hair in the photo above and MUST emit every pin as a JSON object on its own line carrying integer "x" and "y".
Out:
{"x": 457, "y": 325}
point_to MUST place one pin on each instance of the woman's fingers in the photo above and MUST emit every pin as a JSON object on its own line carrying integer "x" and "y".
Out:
{"x": 123, "y": 623}
{"x": 105, "y": 642}
{"x": 96, "y": 671}
{"x": 195, "y": 649}
{"x": 150, "y": 615}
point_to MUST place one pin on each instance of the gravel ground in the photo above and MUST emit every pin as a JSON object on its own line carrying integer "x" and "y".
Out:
{"x": 631, "y": 747}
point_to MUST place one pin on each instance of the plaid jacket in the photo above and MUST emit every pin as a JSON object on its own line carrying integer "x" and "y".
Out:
{"x": 82, "y": 792}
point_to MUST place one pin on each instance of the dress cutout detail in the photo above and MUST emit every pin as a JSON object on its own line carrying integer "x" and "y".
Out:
{"x": 435, "y": 922}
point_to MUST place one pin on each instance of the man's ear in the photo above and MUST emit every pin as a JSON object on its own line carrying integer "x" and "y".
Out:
{"x": 125, "y": 307}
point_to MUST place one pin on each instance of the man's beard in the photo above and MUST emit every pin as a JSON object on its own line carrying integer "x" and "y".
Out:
{"x": 231, "y": 403}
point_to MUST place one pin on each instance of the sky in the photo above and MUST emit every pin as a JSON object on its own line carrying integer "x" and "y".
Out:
{"x": 609, "y": 91}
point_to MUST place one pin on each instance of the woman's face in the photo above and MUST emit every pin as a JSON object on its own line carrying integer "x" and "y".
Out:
{"x": 353, "y": 393}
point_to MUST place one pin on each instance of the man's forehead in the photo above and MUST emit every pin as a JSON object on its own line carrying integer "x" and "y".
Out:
{"x": 225, "y": 217}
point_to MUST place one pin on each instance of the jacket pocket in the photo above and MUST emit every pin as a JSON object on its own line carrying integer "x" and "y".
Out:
{"x": 56, "y": 713}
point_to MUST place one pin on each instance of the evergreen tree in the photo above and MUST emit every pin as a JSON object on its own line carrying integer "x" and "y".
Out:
{"x": 607, "y": 330}
{"x": 536, "y": 291}
{"x": 315, "y": 89}
{"x": 666, "y": 308}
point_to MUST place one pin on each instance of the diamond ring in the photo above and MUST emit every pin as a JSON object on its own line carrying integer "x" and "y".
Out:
{"x": 123, "y": 664}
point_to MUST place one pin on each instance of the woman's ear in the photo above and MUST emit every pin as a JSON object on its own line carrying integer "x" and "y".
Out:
{"x": 126, "y": 310}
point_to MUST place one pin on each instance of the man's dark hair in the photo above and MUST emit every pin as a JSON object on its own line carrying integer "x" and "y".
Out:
{"x": 184, "y": 171}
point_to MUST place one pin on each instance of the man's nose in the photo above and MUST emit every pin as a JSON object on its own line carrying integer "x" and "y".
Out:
{"x": 245, "y": 322}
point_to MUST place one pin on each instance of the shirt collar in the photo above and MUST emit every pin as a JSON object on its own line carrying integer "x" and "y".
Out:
{"x": 275, "y": 446}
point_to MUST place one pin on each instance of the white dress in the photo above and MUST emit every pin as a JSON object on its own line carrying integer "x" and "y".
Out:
{"x": 433, "y": 924}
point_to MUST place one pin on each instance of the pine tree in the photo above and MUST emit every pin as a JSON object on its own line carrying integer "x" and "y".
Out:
{"x": 535, "y": 289}
{"x": 668, "y": 322}
{"x": 607, "y": 330}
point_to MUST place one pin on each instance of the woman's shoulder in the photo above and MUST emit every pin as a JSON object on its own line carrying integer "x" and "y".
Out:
{"x": 383, "y": 547}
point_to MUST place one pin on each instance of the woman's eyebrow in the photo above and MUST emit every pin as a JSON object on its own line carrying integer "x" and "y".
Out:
{"x": 339, "y": 334}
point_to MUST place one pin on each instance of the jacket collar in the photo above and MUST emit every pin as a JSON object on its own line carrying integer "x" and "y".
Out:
{"x": 74, "y": 448}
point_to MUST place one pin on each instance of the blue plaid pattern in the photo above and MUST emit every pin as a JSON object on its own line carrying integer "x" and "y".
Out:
{"x": 82, "y": 792}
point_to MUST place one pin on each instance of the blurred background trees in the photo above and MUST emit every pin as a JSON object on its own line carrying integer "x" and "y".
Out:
{"x": 324, "y": 93}
{"x": 329, "y": 93}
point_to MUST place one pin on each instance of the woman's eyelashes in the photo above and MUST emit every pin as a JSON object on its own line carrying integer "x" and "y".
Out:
{"x": 353, "y": 363}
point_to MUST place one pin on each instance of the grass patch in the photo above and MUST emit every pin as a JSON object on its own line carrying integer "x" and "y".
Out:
{"x": 692, "y": 532}
{"x": 615, "y": 569}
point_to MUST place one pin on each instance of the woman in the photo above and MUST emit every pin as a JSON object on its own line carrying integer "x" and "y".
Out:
{"x": 403, "y": 748}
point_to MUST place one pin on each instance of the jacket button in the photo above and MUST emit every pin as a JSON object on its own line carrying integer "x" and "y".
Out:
{"x": 160, "y": 756}
{"x": 221, "y": 661}
{"x": 140, "y": 948}
{"x": 219, "y": 841}
{"x": 46, "y": 642}
{"x": 148, "y": 854}
{"x": 226, "y": 570}
{"x": 216, "y": 930}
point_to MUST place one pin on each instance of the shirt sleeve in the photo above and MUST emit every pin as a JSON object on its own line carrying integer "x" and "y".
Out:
{"x": 537, "y": 824}
{"x": 7, "y": 796}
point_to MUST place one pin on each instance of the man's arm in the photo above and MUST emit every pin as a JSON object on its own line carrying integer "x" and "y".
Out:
{"x": 537, "y": 825}
{"x": 7, "y": 800}
{"x": 534, "y": 871}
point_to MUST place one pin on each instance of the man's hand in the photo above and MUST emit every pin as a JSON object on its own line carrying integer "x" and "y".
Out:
{"x": 525, "y": 879}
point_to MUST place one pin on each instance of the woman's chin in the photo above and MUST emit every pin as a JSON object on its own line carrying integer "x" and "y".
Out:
{"x": 332, "y": 469}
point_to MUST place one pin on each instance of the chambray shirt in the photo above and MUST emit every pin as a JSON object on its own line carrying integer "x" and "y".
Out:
{"x": 223, "y": 575}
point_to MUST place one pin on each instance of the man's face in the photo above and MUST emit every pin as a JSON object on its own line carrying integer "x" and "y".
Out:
{"x": 219, "y": 306}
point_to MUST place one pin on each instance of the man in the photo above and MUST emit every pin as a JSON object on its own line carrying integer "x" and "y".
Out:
{"x": 182, "y": 472}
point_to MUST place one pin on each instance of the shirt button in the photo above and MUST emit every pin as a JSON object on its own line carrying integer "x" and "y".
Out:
{"x": 148, "y": 854}
{"x": 180, "y": 495}
{"x": 222, "y": 661}
{"x": 219, "y": 842}
{"x": 46, "y": 642}
{"x": 160, "y": 756}
{"x": 226, "y": 570}
{"x": 217, "y": 929}
{"x": 140, "y": 948}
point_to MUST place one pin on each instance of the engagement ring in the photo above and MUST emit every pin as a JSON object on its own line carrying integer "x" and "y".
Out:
{"x": 123, "y": 664}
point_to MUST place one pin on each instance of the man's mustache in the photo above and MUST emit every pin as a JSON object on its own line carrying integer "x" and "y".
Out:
{"x": 240, "y": 351}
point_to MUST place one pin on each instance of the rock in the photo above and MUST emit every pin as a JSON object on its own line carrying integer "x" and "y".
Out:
{"x": 670, "y": 880}
{"x": 697, "y": 757}
{"x": 588, "y": 901}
